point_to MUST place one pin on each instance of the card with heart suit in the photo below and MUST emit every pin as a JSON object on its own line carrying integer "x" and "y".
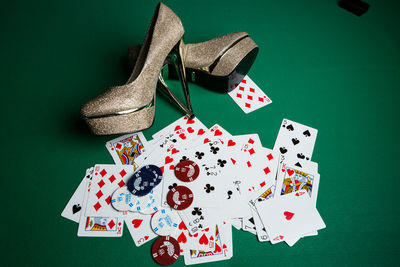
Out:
{"x": 289, "y": 216}
{"x": 139, "y": 226}
{"x": 98, "y": 226}
{"x": 182, "y": 235}
{"x": 308, "y": 167}
{"x": 73, "y": 209}
{"x": 212, "y": 244}
{"x": 248, "y": 96}
{"x": 125, "y": 149}
{"x": 183, "y": 125}
{"x": 295, "y": 140}
{"x": 106, "y": 179}
{"x": 291, "y": 178}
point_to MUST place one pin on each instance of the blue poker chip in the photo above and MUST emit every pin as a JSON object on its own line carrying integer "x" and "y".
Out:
{"x": 141, "y": 183}
{"x": 153, "y": 171}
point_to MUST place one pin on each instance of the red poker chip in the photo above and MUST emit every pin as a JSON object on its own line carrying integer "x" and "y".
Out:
{"x": 187, "y": 171}
{"x": 165, "y": 250}
{"x": 180, "y": 197}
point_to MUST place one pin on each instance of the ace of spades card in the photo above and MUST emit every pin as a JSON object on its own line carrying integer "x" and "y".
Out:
{"x": 73, "y": 209}
{"x": 295, "y": 139}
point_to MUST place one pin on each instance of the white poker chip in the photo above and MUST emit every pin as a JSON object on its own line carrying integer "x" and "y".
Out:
{"x": 122, "y": 199}
{"x": 150, "y": 208}
{"x": 142, "y": 203}
{"x": 164, "y": 222}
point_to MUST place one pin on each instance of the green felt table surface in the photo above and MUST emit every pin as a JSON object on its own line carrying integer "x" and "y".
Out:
{"x": 321, "y": 66}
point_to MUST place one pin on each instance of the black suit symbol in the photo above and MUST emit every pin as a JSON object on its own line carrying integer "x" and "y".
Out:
{"x": 283, "y": 150}
{"x": 76, "y": 208}
{"x": 199, "y": 155}
{"x": 196, "y": 211}
{"x": 214, "y": 150}
{"x": 172, "y": 186}
{"x": 307, "y": 133}
{"x": 184, "y": 158}
{"x": 290, "y": 127}
{"x": 298, "y": 165}
{"x": 301, "y": 156}
{"x": 209, "y": 188}
{"x": 295, "y": 141}
{"x": 221, "y": 162}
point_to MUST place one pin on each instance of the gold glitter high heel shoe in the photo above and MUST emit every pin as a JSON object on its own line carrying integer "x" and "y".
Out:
{"x": 130, "y": 107}
{"x": 218, "y": 64}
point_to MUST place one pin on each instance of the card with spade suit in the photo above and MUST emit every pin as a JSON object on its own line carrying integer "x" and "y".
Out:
{"x": 295, "y": 139}
{"x": 73, "y": 209}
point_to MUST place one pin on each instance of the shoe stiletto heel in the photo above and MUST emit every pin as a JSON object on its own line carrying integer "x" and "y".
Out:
{"x": 130, "y": 107}
{"x": 175, "y": 59}
{"x": 218, "y": 64}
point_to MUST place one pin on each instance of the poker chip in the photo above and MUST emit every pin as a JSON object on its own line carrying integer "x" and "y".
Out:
{"x": 122, "y": 199}
{"x": 142, "y": 203}
{"x": 165, "y": 250}
{"x": 153, "y": 171}
{"x": 164, "y": 222}
{"x": 141, "y": 183}
{"x": 180, "y": 197}
{"x": 150, "y": 208}
{"x": 187, "y": 171}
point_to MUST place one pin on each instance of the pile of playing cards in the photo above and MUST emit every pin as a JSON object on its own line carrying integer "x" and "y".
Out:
{"x": 191, "y": 184}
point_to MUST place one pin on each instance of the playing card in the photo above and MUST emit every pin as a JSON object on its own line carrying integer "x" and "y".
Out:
{"x": 292, "y": 178}
{"x": 259, "y": 168}
{"x": 139, "y": 227}
{"x": 295, "y": 139}
{"x": 182, "y": 235}
{"x": 185, "y": 129}
{"x": 289, "y": 216}
{"x": 72, "y": 210}
{"x": 248, "y": 96}
{"x": 262, "y": 235}
{"x": 106, "y": 179}
{"x": 208, "y": 189}
{"x": 213, "y": 244}
{"x": 199, "y": 218}
{"x": 125, "y": 149}
{"x": 98, "y": 226}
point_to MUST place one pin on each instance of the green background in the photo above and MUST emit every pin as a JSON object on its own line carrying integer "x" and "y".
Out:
{"x": 321, "y": 66}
